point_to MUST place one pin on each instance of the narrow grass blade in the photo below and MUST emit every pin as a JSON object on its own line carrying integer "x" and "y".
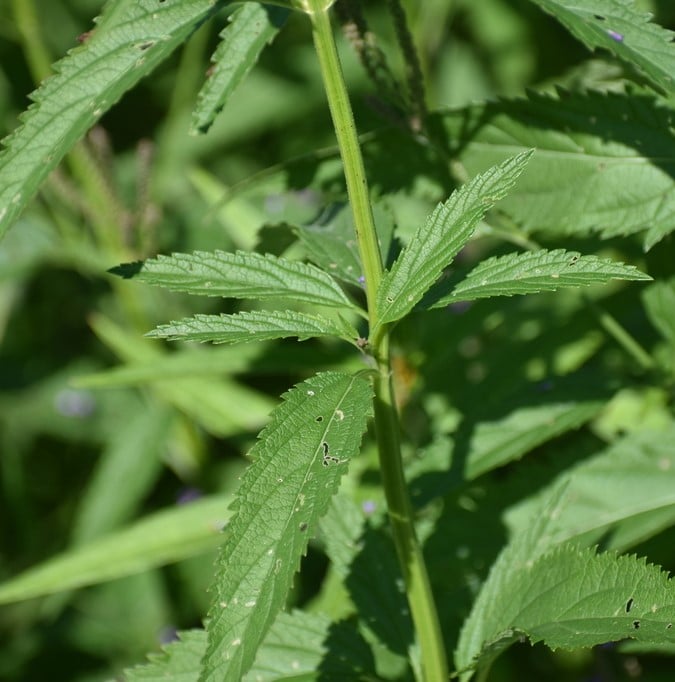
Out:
{"x": 161, "y": 538}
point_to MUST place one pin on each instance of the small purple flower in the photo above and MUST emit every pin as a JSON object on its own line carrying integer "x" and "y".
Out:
{"x": 614, "y": 35}
{"x": 75, "y": 403}
{"x": 188, "y": 495}
{"x": 368, "y": 507}
{"x": 362, "y": 280}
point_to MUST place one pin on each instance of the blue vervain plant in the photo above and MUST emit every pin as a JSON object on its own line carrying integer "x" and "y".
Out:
{"x": 551, "y": 165}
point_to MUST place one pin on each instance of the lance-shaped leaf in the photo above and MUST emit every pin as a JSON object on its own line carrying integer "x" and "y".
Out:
{"x": 239, "y": 275}
{"x": 297, "y": 467}
{"x": 571, "y": 599}
{"x": 258, "y": 325}
{"x": 131, "y": 39}
{"x": 435, "y": 244}
{"x": 164, "y": 537}
{"x": 527, "y": 273}
{"x": 617, "y": 26}
{"x": 251, "y": 27}
{"x": 628, "y": 488}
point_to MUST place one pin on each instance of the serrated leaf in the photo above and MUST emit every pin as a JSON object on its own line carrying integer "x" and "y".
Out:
{"x": 570, "y": 598}
{"x": 617, "y": 26}
{"x": 251, "y": 27}
{"x": 299, "y": 646}
{"x": 531, "y": 272}
{"x": 239, "y": 275}
{"x": 132, "y": 37}
{"x": 257, "y": 325}
{"x": 297, "y": 467}
{"x": 162, "y": 538}
{"x": 179, "y": 661}
{"x": 436, "y": 243}
{"x": 604, "y": 162}
{"x": 309, "y": 647}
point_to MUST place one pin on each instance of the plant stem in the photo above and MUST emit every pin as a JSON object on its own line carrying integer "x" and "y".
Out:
{"x": 434, "y": 666}
{"x": 345, "y": 131}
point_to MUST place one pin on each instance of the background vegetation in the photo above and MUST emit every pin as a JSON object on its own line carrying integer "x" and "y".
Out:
{"x": 89, "y": 444}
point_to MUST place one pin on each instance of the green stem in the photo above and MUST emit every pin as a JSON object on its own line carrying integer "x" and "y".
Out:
{"x": 345, "y": 131}
{"x": 621, "y": 336}
{"x": 38, "y": 57}
{"x": 434, "y": 667}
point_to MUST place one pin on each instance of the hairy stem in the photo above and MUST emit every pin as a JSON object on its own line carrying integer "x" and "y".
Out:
{"x": 422, "y": 606}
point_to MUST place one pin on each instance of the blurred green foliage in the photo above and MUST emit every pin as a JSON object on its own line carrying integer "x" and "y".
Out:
{"x": 77, "y": 410}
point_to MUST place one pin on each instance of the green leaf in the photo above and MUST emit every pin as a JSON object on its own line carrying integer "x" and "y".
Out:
{"x": 220, "y": 404}
{"x": 179, "y": 661}
{"x": 124, "y": 473}
{"x": 365, "y": 559}
{"x": 191, "y": 362}
{"x": 252, "y": 26}
{"x": 531, "y": 272}
{"x": 309, "y": 647}
{"x": 331, "y": 244}
{"x": 255, "y": 326}
{"x": 299, "y": 646}
{"x": 239, "y": 275}
{"x": 131, "y": 39}
{"x": 616, "y": 490}
{"x": 297, "y": 466}
{"x": 436, "y": 243}
{"x": 619, "y": 28}
{"x": 498, "y": 442}
{"x": 569, "y": 599}
{"x": 162, "y": 538}
{"x": 605, "y": 162}
{"x": 659, "y": 299}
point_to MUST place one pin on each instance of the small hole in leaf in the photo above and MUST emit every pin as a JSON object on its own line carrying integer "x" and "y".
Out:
{"x": 629, "y": 605}
{"x": 599, "y": 17}
{"x": 319, "y": 418}
{"x": 636, "y": 624}
{"x": 303, "y": 527}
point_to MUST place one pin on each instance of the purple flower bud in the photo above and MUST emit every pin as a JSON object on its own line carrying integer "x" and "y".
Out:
{"x": 362, "y": 280}
{"x": 615, "y": 36}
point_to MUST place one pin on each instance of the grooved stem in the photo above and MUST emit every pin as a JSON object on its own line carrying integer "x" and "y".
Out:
{"x": 434, "y": 666}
